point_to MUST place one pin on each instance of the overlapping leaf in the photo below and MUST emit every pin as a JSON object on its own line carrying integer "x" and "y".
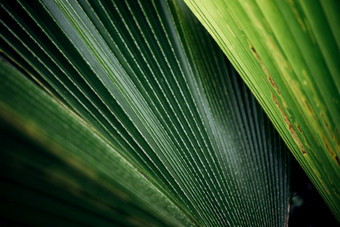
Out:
{"x": 288, "y": 54}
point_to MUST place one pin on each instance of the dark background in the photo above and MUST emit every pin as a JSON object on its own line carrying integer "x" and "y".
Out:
{"x": 307, "y": 208}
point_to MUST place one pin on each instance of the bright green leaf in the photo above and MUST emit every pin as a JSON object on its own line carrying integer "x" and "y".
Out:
{"x": 288, "y": 54}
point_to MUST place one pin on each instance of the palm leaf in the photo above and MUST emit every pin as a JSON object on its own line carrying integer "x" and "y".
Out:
{"x": 288, "y": 54}
{"x": 55, "y": 168}
{"x": 148, "y": 78}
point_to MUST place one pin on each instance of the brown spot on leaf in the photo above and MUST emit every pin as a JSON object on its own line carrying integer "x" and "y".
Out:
{"x": 324, "y": 120}
{"x": 270, "y": 78}
{"x": 274, "y": 84}
{"x": 310, "y": 112}
{"x": 333, "y": 155}
{"x": 337, "y": 160}
{"x": 290, "y": 126}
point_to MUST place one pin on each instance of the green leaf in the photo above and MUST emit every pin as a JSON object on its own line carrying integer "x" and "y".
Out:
{"x": 149, "y": 79}
{"x": 288, "y": 54}
{"x": 61, "y": 169}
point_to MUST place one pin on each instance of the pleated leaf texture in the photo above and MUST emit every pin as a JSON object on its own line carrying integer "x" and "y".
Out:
{"x": 57, "y": 171}
{"x": 288, "y": 53}
{"x": 148, "y": 79}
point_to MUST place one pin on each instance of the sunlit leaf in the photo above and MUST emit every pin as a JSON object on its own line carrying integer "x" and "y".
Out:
{"x": 288, "y": 54}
